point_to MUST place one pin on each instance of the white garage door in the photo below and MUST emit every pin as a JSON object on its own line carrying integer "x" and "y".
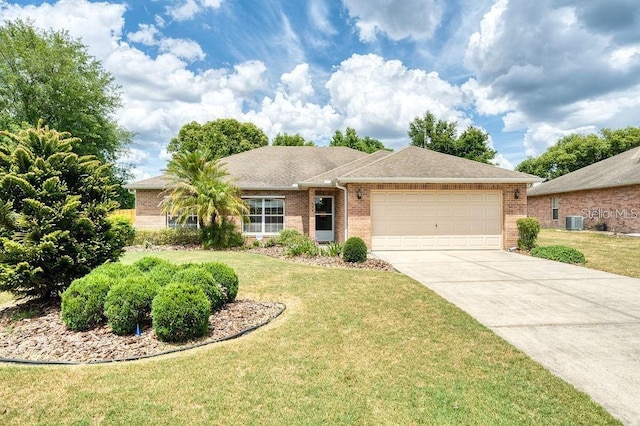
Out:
{"x": 436, "y": 220}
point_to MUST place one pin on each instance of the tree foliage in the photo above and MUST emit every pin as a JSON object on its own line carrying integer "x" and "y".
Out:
{"x": 219, "y": 138}
{"x": 575, "y": 151}
{"x": 201, "y": 186}
{"x": 351, "y": 139}
{"x": 53, "y": 213}
{"x": 440, "y": 135}
{"x": 291, "y": 140}
{"x": 49, "y": 75}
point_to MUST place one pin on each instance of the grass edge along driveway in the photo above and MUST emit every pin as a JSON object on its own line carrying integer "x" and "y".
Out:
{"x": 353, "y": 347}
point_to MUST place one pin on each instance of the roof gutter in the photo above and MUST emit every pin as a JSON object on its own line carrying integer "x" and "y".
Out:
{"x": 438, "y": 180}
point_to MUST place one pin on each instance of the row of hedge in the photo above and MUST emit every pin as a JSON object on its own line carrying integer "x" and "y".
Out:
{"x": 176, "y": 299}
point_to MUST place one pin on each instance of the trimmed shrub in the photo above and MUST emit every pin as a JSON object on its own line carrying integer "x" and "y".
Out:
{"x": 221, "y": 236}
{"x": 202, "y": 278}
{"x": 354, "y": 250}
{"x": 528, "y": 228}
{"x": 180, "y": 312}
{"x": 302, "y": 246}
{"x": 83, "y": 302}
{"x": 226, "y": 277}
{"x": 148, "y": 263}
{"x": 560, "y": 254}
{"x": 162, "y": 274}
{"x": 129, "y": 303}
{"x": 288, "y": 236}
{"x": 167, "y": 237}
{"x": 116, "y": 271}
{"x": 121, "y": 230}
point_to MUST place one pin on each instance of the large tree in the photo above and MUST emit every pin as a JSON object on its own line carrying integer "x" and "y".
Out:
{"x": 219, "y": 138}
{"x": 351, "y": 139}
{"x": 575, "y": 151}
{"x": 200, "y": 185}
{"x": 440, "y": 135}
{"x": 291, "y": 140}
{"x": 53, "y": 213}
{"x": 49, "y": 75}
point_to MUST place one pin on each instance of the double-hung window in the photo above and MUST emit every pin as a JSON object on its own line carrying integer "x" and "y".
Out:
{"x": 266, "y": 216}
{"x": 555, "y": 208}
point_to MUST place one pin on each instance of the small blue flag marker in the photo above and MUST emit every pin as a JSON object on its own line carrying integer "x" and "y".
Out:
{"x": 138, "y": 330}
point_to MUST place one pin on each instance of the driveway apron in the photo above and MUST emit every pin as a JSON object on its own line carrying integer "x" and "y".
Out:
{"x": 581, "y": 324}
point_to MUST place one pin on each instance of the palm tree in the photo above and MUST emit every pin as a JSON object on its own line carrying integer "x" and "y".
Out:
{"x": 200, "y": 186}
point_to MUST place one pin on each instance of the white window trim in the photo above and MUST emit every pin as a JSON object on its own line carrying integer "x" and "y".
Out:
{"x": 266, "y": 197}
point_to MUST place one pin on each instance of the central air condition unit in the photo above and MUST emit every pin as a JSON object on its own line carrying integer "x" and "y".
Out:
{"x": 574, "y": 223}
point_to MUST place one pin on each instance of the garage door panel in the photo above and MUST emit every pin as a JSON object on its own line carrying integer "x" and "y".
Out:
{"x": 436, "y": 220}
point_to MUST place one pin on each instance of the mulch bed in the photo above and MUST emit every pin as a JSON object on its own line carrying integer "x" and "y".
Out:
{"x": 42, "y": 337}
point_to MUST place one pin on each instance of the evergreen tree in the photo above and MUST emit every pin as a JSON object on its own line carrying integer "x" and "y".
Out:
{"x": 53, "y": 213}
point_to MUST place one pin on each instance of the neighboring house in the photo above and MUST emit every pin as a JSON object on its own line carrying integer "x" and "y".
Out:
{"x": 413, "y": 199}
{"x": 603, "y": 193}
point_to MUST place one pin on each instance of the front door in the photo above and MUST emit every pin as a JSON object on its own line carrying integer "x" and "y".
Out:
{"x": 324, "y": 219}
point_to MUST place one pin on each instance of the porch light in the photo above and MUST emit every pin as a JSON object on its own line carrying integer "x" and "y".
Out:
{"x": 516, "y": 193}
{"x": 359, "y": 194}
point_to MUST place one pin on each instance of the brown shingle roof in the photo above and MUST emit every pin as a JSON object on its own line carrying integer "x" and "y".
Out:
{"x": 334, "y": 174}
{"x": 413, "y": 164}
{"x": 620, "y": 170}
{"x": 274, "y": 167}
{"x": 284, "y": 167}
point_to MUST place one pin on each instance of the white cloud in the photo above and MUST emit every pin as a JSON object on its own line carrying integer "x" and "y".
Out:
{"x": 416, "y": 19}
{"x": 182, "y": 48}
{"x": 149, "y": 35}
{"x": 379, "y": 97}
{"x": 319, "y": 14}
{"x": 297, "y": 83}
{"x": 247, "y": 78}
{"x": 100, "y": 36}
{"x": 188, "y": 9}
{"x": 566, "y": 73}
{"x": 146, "y": 35}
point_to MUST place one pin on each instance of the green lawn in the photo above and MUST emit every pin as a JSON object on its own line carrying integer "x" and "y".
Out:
{"x": 5, "y": 297}
{"x": 611, "y": 253}
{"x": 353, "y": 347}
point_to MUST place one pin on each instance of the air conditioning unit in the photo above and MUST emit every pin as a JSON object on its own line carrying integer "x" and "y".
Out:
{"x": 574, "y": 223}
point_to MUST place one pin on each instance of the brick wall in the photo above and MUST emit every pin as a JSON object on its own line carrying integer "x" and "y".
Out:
{"x": 618, "y": 208}
{"x": 512, "y": 208}
{"x": 149, "y": 216}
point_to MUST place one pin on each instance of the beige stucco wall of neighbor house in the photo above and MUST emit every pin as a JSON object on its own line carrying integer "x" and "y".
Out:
{"x": 618, "y": 208}
{"x": 512, "y": 208}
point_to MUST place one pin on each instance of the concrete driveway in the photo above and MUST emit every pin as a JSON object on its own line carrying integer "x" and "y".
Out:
{"x": 581, "y": 324}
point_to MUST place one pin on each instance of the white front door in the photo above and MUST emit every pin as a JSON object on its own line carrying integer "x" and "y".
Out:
{"x": 324, "y": 219}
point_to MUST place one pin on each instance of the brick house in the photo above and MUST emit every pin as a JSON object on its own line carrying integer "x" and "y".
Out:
{"x": 606, "y": 193}
{"x": 411, "y": 199}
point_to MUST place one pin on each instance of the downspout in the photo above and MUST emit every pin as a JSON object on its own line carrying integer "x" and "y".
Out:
{"x": 346, "y": 210}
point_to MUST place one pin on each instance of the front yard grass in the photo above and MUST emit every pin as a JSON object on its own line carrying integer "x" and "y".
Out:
{"x": 5, "y": 297}
{"x": 611, "y": 253}
{"x": 353, "y": 347}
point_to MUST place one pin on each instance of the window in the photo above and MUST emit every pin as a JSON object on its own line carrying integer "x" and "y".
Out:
{"x": 266, "y": 216}
{"x": 191, "y": 223}
{"x": 555, "y": 208}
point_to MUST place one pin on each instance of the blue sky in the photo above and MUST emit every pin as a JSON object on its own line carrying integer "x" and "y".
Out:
{"x": 526, "y": 71}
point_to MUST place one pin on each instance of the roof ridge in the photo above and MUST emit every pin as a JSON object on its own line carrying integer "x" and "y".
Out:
{"x": 375, "y": 161}
{"x": 343, "y": 165}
